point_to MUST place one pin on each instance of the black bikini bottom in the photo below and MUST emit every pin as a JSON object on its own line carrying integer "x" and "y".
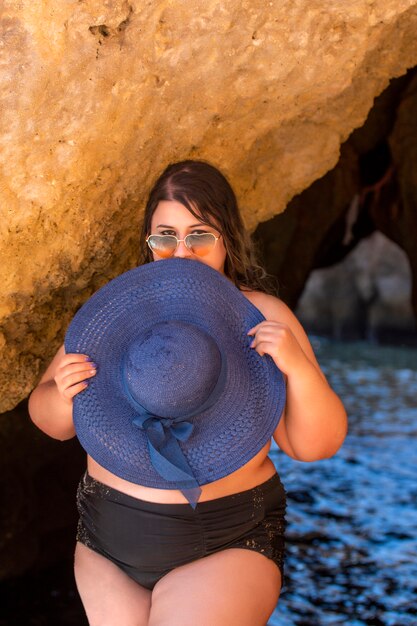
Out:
{"x": 147, "y": 539}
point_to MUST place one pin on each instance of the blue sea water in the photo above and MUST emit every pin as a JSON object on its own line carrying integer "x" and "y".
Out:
{"x": 351, "y": 535}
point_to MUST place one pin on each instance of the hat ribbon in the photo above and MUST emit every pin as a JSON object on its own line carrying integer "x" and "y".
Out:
{"x": 166, "y": 455}
{"x": 164, "y": 433}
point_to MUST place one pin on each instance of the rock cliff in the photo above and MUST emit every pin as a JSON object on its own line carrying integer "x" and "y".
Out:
{"x": 98, "y": 97}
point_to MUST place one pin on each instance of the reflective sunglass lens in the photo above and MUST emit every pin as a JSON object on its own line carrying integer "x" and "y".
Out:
{"x": 163, "y": 245}
{"x": 201, "y": 244}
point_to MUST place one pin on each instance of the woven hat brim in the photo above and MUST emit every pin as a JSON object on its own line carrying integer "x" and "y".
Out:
{"x": 226, "y": 436}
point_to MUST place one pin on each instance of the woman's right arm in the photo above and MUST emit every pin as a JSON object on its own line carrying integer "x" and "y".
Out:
{"x": 50, "y": 403}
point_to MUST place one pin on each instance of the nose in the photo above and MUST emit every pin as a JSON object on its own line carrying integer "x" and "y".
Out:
{"x": 182, "y": 250}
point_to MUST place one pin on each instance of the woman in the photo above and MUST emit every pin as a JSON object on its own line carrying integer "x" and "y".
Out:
{"x": 193, "y": 204}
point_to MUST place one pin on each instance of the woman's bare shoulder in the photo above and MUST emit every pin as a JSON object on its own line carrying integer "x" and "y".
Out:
{"x": 271, "y": 307}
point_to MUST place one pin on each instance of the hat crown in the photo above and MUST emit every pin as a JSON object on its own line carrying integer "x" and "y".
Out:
{"x": 171, "y": 369}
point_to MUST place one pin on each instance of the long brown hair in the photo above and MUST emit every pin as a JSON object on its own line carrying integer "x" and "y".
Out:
{"x": 201, "y": 187}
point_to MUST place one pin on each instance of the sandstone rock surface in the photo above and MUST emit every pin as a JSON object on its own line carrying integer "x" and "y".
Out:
{"x": 97, "y": 97}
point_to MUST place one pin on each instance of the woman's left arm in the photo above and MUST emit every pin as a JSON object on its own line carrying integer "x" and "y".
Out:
{"x": 314, "y": 423}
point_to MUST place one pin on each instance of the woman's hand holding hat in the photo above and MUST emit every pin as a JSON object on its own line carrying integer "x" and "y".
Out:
{"x": 71, "y": 374}
{"x": 278, "y": 340}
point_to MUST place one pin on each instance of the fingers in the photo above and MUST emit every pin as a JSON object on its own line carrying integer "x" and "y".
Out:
{"x": 270, "y": 330}
{"x": 73, "y": 357}
{"x": 72, "y": 391}
{"x": 73, "y": 373}
{"x": 262, "y": 347}
{"x": 68, "y": 379}
{"x": 75, "y": 368}
{"x": 266, "y": 335}
{"x": 269, "y": 337}
{"x": 266, "y": 324}
{"x": 253, "y": 330}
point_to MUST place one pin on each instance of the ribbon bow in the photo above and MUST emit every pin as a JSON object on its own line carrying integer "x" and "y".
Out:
{"x": 166, "y": 455}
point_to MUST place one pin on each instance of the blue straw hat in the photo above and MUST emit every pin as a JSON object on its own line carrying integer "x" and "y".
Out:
{"x": 179, "y": 399}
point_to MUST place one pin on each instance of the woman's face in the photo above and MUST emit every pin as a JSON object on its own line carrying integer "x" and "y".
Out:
{"x": 173, "y": 218}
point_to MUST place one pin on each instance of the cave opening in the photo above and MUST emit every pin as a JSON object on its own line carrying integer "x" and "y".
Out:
{"x": 344, "y": 250}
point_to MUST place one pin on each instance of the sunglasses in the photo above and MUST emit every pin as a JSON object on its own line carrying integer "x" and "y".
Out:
{"x": 166, "y": 245}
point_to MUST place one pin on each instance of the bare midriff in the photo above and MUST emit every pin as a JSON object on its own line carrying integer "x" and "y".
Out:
{"x": 253, "y": 473}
